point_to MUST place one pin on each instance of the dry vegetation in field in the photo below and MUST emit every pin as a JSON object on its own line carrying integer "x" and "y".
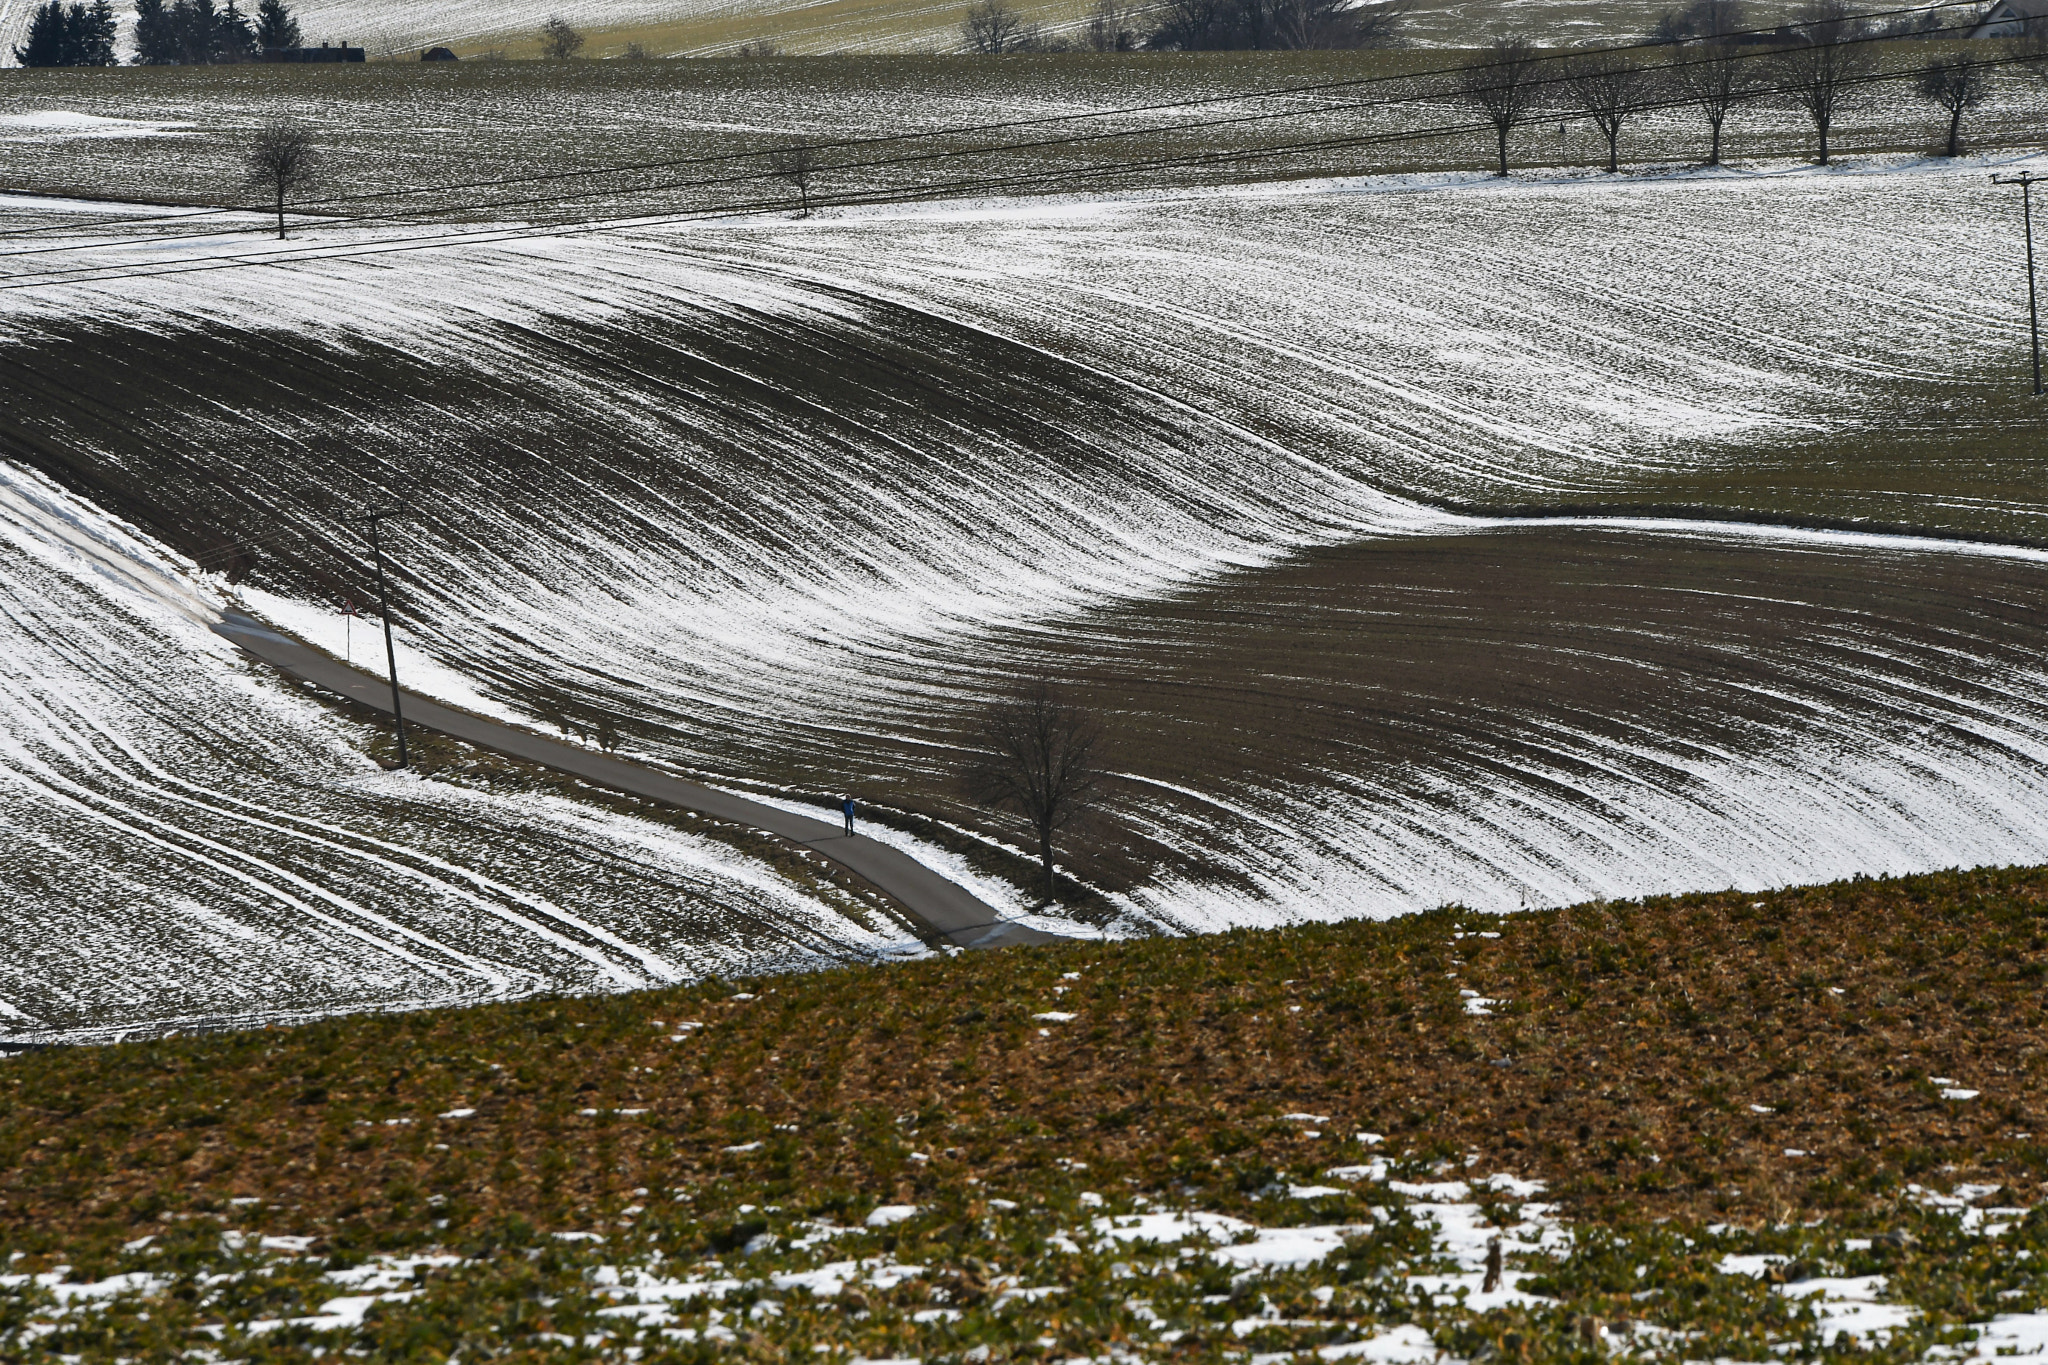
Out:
{"x": 1654, "y": 1058}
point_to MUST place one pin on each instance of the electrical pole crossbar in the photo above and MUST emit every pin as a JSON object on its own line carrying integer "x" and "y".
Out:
{"x": 376, "y": 519}
{"x": 2025, "y": 180}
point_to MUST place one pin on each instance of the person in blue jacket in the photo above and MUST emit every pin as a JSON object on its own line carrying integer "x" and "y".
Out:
{"x": 846, "y": 809}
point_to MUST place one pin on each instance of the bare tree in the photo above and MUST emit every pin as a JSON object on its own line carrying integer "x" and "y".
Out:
{"x": 1288, "y": 25}
{"x": 1713, "y": 77}
{"x": 1954, "y": 84}
{"x": 1110, "y": 28}
{"x": 992, "y": 28}
{"x": 1302, "y": 25}
{"x": 1701, "y": 21}
{"x": 799, "y": 166}
{"x": 1504, "y": 85}
{"x": 281, "y": 161}
{"x": 1038, "y": 760}
{"x": 559, "y": 41}
{"x": 1378, "y": 25}
{"x": 1819, "y": 74}
{"x": 1607, "y": 87}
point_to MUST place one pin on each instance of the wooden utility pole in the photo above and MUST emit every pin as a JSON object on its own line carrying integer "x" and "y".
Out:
{"x": 376, "y": 519}
{"x": 2025, "y": 180}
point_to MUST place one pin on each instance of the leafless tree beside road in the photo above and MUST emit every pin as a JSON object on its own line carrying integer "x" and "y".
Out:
{"x": 1714, "y": 77}
{"x": 1038, "y": 760}
{"x": 1607, "y": 87}
{"x": 1505, "y": 86}
{"x": 1820, "y": 73}
{"x": 281, "y": 162}
{"x": 799, "y": 166}
{"x": 1954, "y": 84}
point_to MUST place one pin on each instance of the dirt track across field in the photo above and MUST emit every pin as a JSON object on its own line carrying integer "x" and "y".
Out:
{"x": 945, "y": 908}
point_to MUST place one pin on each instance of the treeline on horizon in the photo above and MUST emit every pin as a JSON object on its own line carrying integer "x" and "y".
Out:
{"x": 182, "y": 33}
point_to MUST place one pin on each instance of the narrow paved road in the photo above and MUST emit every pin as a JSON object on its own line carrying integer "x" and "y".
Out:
{"x": 944, "y": 907}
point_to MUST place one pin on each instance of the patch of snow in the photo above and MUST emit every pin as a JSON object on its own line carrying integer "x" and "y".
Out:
{"x": 1406, "y": 1344}
{"x": 886, "y": 1215}
{"x": 1851, "y": 1307}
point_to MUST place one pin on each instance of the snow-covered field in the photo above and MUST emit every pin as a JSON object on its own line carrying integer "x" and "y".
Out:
{"x": 790, "y": 498}
{"x": 466, "y": 139}
{"x": 399, "y": 30}
{"x": 879, "y": 25}
{"x": 185, "y": 843}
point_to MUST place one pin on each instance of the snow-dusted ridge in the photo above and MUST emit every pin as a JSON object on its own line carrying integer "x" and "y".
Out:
{"x": 1058, "y": 412}
{"x": 189, "y": 846}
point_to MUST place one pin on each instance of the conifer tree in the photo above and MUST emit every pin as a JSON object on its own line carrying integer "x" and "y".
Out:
{"x": 48, "y": 37}
{"x": 194, "y": 22}
{"x": 156, "y": 35}
{"x": 275, "y": 27}
{"x": 96, "y": 31}
{"x": 234, "y": 37}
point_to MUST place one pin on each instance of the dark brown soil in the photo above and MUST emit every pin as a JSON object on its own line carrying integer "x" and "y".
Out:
{"x": 1552, "y": 666}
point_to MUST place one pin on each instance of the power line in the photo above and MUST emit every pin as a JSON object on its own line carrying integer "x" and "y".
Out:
{"x": 1041, "y": 121}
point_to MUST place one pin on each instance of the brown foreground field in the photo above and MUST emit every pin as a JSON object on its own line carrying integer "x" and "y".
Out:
{"x": 1653, "y": 1058}
{"x": 1745, "y": 1107}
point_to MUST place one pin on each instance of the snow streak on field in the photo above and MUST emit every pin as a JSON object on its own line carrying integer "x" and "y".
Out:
{"x": 182, "y": 842}
{"x": 791, "y": 499}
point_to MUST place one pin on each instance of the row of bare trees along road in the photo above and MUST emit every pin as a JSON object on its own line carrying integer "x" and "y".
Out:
{"x": 1819, "y": 63}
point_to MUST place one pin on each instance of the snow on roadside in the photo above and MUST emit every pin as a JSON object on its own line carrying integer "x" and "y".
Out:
{"x": 210, "y": 848}
{"x": 1010, "y": 903}
{"x": 1472, "y": 347}
{"x": 359, "y": 640}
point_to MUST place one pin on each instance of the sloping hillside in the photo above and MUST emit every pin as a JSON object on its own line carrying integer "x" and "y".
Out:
{"x": 789, "y": 500}
{"x": 555, "y": 141}
{"x": 189, "y": 843}
{"x": 393, "y": 31}
{"x": 1758, "y": 1121}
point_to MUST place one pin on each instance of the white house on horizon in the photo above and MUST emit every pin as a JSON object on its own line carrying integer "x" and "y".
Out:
{"x": 2009, "y": 18}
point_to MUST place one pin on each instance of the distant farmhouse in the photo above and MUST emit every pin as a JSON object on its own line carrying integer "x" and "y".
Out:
{"x": 2010, "y": 18}
{"x": 322, "y": 53}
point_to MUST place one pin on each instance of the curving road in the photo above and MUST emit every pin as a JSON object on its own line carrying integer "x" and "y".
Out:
{"x": 943, "y": 907}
